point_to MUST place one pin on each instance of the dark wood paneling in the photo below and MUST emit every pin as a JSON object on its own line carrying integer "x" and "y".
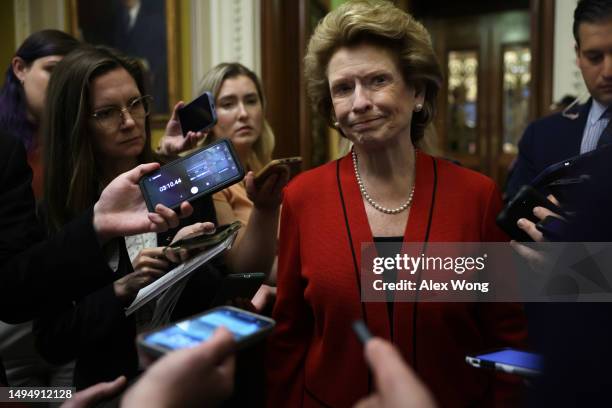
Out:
{"x": 286, "y": 29}
{"x": 542, "y": 50}
{"x": 281, "y": 72}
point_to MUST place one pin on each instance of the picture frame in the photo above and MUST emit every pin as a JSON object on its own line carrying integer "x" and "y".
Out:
{"x": 144, "y": 29}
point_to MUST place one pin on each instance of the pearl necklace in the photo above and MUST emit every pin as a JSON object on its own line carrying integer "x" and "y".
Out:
{"x": 369, "y": 199}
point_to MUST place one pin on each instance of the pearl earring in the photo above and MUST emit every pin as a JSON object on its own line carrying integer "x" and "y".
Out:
{"x": 418, "y": 107}
{"x": 337, "y": 124}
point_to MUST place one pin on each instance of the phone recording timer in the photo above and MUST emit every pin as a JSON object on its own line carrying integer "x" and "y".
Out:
{"x": 201, "y": 173}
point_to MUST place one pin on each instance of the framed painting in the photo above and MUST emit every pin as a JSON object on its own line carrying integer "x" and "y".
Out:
{"x": 143, "y": 29}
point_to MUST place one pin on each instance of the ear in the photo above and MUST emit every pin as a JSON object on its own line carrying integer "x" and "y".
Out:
{"x": 20, "y": 68}
{"x": 332, "y": 115}
{"x": 419, "y": 93}
{"x": 577, "y": 49}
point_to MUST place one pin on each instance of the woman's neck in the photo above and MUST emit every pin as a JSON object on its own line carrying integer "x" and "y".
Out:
{"x": 390, "y": 163}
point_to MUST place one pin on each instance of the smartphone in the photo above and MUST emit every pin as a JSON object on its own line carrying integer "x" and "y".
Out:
{"x": 508, "y": 360}
{"x": 246, "y": 327}
{"x": 201, "y": 240}
{"x": 198, "y": 114}
{"x": 201, "y": 173}
{"x": 238, "y": 285}
{"x": 293, "y": 163}
{"x": 521, "y": 206}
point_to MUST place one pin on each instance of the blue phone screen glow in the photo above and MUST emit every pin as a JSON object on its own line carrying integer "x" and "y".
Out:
{"x": 189, "y": 333}
{"x": 514, "y": 358}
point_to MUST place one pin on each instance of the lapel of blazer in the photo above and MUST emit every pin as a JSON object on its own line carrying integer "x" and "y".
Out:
{"x": 416, "y": 229}
{"x": 376, "y": 314}
{"x": 575, "y": 128}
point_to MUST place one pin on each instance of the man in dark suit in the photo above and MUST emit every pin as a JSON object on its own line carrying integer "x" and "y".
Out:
{"x": 575, "y": 338}
{"x": 563, "y": 135}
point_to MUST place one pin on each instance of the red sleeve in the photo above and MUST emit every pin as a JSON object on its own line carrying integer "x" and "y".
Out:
{"x": 289, "y": 342}
{"x": 504, "y": 324}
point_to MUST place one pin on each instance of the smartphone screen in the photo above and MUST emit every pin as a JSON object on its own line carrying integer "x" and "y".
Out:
{"x": 190, "y": 332}
{"x": 514, "y": 358}
{"x": 206, "y": 171}
{"x": 199, "y": 114}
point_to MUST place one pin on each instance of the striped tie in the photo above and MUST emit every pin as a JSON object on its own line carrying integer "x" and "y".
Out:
{"x": 606, "y": 135}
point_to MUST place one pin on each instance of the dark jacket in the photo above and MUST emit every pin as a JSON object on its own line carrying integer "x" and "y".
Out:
{"x": 546, "y": 141}
{"x": 34, "y": 271}
{"x": 94, "y": 330}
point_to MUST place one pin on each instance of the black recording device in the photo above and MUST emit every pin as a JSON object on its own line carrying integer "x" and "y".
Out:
{"x": 238, "y": 286}
{"x": 521, "y": 206}
{"x": 188, "y": 178}
{"x": 199, "y": 114}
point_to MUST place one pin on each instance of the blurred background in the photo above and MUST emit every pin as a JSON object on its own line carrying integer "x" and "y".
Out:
{"x": 505, "y": 62}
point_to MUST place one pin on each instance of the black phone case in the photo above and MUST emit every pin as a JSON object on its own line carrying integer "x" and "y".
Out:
{"x": 521, "y": 206}
{"x": 205, "y": 99}
{"x": 240, "y": 285}
{"x": 219, "y": 187}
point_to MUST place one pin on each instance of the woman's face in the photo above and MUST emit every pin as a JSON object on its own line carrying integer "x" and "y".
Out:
{"x": 372, "y": 102}
{"x": 35, "y": 78}
{"x": 239, "y": 112}
{"x": 119, "y": 141}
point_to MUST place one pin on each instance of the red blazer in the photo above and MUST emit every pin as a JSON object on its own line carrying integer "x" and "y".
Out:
{"x": 314, "y": 357}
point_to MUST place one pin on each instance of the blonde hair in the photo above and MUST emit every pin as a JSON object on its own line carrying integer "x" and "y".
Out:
{"x": 261, "y": 152}
{"x": 382, "y": 24}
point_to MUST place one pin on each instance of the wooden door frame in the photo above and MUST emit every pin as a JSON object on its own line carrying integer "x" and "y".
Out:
{"x": 542, "y": 51}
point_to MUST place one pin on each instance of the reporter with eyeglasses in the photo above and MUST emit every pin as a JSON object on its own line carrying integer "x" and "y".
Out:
{"x": 96, "y": 127}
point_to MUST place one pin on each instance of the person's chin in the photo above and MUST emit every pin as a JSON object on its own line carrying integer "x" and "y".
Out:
{"x": 605, "y": 97}
{"x": 133, "y": 147}
{"x": 244, "y": 137}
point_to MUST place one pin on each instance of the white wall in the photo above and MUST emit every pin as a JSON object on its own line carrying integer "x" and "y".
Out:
{"x": 34, "y": 15}
{"x": 224, "y": 31}
{"x": 566, "y": 75}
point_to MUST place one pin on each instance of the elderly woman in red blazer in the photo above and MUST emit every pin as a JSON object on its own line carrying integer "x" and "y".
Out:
{"x": 372, "y": 73}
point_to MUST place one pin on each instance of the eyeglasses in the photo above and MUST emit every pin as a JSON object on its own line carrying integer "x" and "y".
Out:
{"x": 113, "y": 117}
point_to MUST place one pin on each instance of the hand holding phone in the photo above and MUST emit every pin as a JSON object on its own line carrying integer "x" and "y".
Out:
{"x": 294, "y": 164}
{"x": 198, "y": 115}
{"x": 521, "y": 206}
{"x": 201, "y": 240}
{"x": 245, "y": 327}
{"x": 201, "y": 376}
